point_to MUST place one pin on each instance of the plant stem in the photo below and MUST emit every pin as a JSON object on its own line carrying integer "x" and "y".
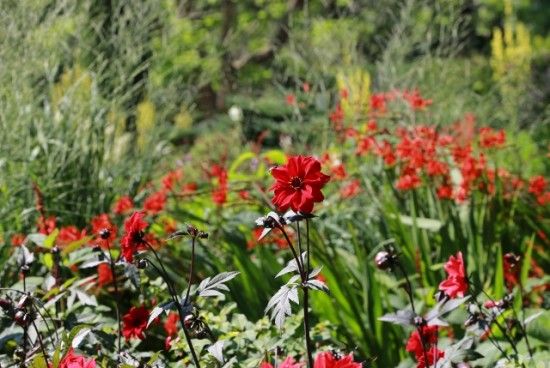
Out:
{"x": 189, "y": 280}
{"x": 176, "y": 300}
{"x": 305, "y": 276}
{"x": 522, "y": 322}
{"x": 418, "y": 328}
{"x": 298, "y": 259}
{"x": 41, "y": 343}
{"x": 117, "y": 297}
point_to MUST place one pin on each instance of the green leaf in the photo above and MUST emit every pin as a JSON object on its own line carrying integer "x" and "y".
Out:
{"x": 421, "y": 222}
{"x": 499, "y": 275}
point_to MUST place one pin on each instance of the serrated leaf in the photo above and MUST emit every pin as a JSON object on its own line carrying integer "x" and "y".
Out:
{"x": 213, "y": 286}
{"x": 291, "y": 266}
{"x": 402, "y": 317}
{"x": 445, "y": 307}
{"x": 93, "y": 263}
{"x": 216, "y": 350}
{"x": 79, "y": 337}
{"x": 317, "y": 285}
{"x": 316, "y": 271}
{"x": 132, "y": 273}
{"x": 157, "y": 311}
{"x": 280, "y": 304}
{"x": 37, "y": 238}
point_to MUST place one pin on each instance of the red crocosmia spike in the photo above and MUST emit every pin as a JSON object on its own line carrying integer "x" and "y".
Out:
{"x": 298, "y": 184}
{"x": 155, "y": 203}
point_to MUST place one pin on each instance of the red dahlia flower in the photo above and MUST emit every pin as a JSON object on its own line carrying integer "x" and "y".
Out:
{"x": 69, "y": 234}
{"x": 434, "y": 354}
{"x": 289, "y": 362}
{"x": 328, "y": 360}
{"x": 298, "y": 184}
{"x": 133, "y": 235}
{"x": 456, "y": 283}
{"x": 414, "y": 344}
{"x": 100, "y": 223}
{"x": 17, "y": 239}
{"x": 135, "y": 323}
{"x": 72, "y": 360}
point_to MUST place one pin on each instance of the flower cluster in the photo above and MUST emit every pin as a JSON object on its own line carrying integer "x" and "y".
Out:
{"x": 456, "y": 284}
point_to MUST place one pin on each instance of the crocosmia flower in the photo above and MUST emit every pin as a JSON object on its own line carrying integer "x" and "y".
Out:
{"x": 72, "y": 360}
{"x": 456, "y": 283}
{"x": 298, "y": 184}
{"x": 135, "y": 323}
{"x": 133, "y": 235}
{"x": 155, "y": 202}
{"x": 123, "y": 205}
{"x": 329, "y": 360}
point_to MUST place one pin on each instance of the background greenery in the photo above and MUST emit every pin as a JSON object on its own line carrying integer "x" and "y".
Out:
{"x": 100, "y": 97}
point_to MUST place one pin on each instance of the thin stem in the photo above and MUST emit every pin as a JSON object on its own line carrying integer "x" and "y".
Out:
{"x": 306, "y": 300}
{"x": 26, "y": 327}
{"x": 298, "y": 262}
{"x": 176, "y": 300}
{"x": 418, "y": 328}
{"x": 33, "y": 305}
{"x": 117, "y": 309}
{"x": 189, "y": 280}
{"x": 308, "y": 268}
{"x": 41, "y": 343}
{"x": 522, "y": 322}
{"x": 299, "y": 238}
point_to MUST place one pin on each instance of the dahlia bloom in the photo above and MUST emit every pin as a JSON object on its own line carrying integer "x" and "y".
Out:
{"x": 414, "y": 344}
{"x": 123, "y": 205}
{"x": 99, "y": 224}
{"x": 289, "y": 362}
{"x": 433, "y": 354}
{"x": 72, "y": 360}
{"x": 133, "y": 235}
{"x": 104, "y": 274}
{"x": 155, "y": 202}
{"x": 456, "y": 283}
{"x": 298, "y": 184}
{"x": 329, "y": 360}
{"x": 135, "y": 323}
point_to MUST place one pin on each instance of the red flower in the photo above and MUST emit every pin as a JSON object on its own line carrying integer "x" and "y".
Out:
{"x": 135, "y": 322}
{"x": 414, "y": 344}
{"x": 416, "y": 101}
{"x": 378, "y": 102}
{"x": 305, "y": 87}
{"x": 289, "y": 362}
{"x": 339, "y": 171}
{"x": 72, "y": 360}
{"x": 69, "y": 234}
{"x": 298, "y": 184}
{"x": 133, "y": 235}
{"x": 100, "y": 223}
{"x": 290, "y": 99}
{"x": 244, "y": 194}
{"x": 171, "y": 324}
{"x": 155, "y": 203}
{"x": 17, "y": 239}
{"x": 408, "y": 181}
{"x": 189, "y": 188}
{"x": 434, "y": 354}
{"x": 328, "y": 360}
{"x": 104, "y": 274}
{"x": 537, "y": 185}
{"x": 171, "y": 178}
{"x": 46, "y": 225}
{"x": 489, "y": 138}
{"x": 123, "y": 205}
{"x": 511, "y": 266}
{"x": 445, "y": 192}
{"x": 456, "y": 283}
{"x": 337, "y": 117}
{"x": 351, "y": 189}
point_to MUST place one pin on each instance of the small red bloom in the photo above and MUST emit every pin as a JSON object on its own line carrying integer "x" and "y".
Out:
{"x": 171, "y": 324}
{"x": 489, "y": 138}
{"x": 290, "y": 100}
{"x": 445, "y": 191}
{"x": 434, "y": 354}
{"x": 244, "y": 194}
{"x": 100, "y": 223}
{"x": 123, "y": 205}
{"x": 351, "y": 189}
{"x": 511, "y": 266}
{"x": 289, "y": 362}
{"x": 72, "y": 360}
{"x": 344, "y": 93}
{"x": 537, "y": 185}
{"x": 339, "y": 171}
{"x": 337, "y": 117}
{"x": 408, "y": 181}
{"x": 155, "y": 202}
{"x": 17, "y": 239}
{"x": 298, "y": 184}
{"x": 189, "y": 188}
{"x": 305, "y": 87}
{"x": 46, "y": 225}
{"x": 69, "y": 234}
{"x": 416, "y": 101}
{"x": 104, "y": 274}
{"x": 171, "y": 178}
{"x": 328, "y": 360}
{"x": 456, "y": 283}
{"x": 135, "y": 322}
{"x": 133, "y": 235}
{"x": 378, "y": 102}
{"x": 414, "y": 344}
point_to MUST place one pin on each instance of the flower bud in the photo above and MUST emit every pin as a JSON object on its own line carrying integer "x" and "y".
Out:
{"x": 22, "y": 318}
{"x": 25, "y": 270}
{"x": 385, "y": 259}
{"x": 6, "y": 304}
{"x": 104, "y": 233}
{"x": 142, "y": 264}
